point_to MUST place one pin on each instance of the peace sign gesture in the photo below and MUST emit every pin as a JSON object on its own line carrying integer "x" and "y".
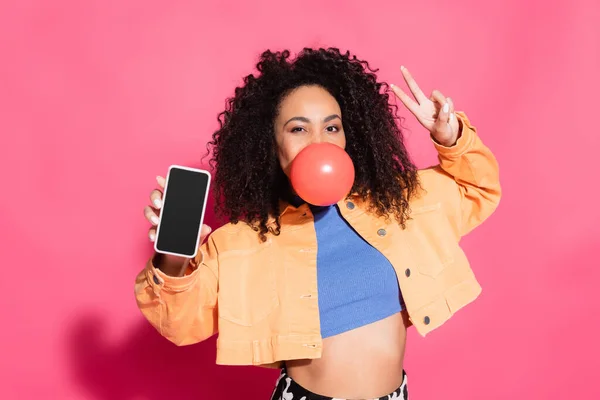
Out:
{"x": 435, "y": 113}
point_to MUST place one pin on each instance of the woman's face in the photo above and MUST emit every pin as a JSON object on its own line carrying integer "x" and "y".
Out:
{"x": 307, "y": 115}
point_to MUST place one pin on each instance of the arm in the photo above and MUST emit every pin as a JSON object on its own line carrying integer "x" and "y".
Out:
{"x": 475, "y": 177}
{"x": 467, "y": 177}
{"x": 182, "y": 308}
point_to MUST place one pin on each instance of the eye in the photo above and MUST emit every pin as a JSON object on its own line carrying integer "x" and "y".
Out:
{"x": 332, "y": 128}
{"x": 297, "y": 129}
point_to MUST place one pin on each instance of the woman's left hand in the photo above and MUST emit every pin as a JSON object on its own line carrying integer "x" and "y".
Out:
{"x": 435, "y": 113}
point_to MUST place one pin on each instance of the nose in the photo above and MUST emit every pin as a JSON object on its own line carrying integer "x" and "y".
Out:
{"x": 317, "y": 138}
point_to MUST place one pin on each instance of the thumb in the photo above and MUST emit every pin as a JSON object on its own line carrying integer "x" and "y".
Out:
{"x": 204, "y": 232}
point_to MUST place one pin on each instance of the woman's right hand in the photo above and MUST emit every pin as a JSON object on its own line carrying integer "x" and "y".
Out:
{"x": 169, "y": 263}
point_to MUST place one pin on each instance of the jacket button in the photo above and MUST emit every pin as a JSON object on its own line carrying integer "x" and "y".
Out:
{"x": 426, "y": 320}
{"x": 381, "y": 232}
{"x": 155, "y": 279}
{"x": 350, "y": 205}
{"x": 407, "y": 272}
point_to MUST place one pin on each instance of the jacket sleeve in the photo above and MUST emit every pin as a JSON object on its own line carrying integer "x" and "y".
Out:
{"x": 474, "y": 184}
{"x": 182, "y": 309}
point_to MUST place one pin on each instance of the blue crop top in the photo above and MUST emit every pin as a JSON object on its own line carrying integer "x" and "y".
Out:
{"x": 357, "y": 285}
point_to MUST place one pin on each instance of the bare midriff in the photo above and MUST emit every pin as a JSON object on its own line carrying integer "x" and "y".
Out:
{"x": 363, "y": 363}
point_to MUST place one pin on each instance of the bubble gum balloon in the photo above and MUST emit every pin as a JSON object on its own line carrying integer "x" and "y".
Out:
{"x": 322, "y": 174}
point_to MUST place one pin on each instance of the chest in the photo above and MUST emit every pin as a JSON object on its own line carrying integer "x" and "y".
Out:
{"x": 349, "y": 269}
{"x": 286, "y": 271}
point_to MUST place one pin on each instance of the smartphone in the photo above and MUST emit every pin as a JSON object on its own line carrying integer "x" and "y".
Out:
{"x": 182, "y": 212}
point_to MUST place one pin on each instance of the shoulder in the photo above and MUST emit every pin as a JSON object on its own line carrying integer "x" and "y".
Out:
{"x": 439, "y": 192}
{"x": 240, "y": 236}
{"x": 436, "y": 186}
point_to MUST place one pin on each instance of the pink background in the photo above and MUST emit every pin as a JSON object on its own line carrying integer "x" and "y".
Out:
{"x": 97, "y": 98}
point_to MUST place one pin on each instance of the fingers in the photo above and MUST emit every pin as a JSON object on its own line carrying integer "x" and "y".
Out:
{"x": 442, "y": 123}
{"x": 152, "y": 234}
{"x": 151, "y": 215}
{"x": 204, "y": 232}
{"x": 409, "y": 103}
{"x": 451, "y": 104}
{"x": 150, "y": 212}
{"x": 156, "y": 198}
{"x": 412, "y": 84}
{"x": 438, "y": 98}
{"x": 161, "y": 181}
{"x": 452, "y": 120}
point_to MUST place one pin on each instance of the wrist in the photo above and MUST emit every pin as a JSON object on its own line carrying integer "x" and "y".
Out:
{"x": 446, "y": 142}
{"x": 170, "y": 265}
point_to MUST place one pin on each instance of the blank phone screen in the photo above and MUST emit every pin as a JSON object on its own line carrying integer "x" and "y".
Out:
{"x": 182, "y": 212}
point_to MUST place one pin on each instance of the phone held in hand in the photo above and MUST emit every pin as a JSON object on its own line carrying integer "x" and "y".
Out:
{"x": 182, "y": 212}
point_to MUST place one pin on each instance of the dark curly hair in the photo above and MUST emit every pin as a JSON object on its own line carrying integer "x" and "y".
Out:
{"x": 248, "y": 180}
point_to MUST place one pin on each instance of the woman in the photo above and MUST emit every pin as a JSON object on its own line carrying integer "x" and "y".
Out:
{"x": 326, "y": 293}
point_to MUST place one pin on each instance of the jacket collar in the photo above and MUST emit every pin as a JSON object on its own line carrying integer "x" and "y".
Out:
{"x": 287, "y": 206}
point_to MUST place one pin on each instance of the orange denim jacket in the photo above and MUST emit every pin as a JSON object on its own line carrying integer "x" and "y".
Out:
{"x": 262, "y": 297}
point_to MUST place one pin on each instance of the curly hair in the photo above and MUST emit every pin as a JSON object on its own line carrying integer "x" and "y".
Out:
{"x": 248, "y": 180}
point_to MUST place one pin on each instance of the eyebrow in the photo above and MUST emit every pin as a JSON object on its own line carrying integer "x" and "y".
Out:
{"x": 306, "y": 120}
